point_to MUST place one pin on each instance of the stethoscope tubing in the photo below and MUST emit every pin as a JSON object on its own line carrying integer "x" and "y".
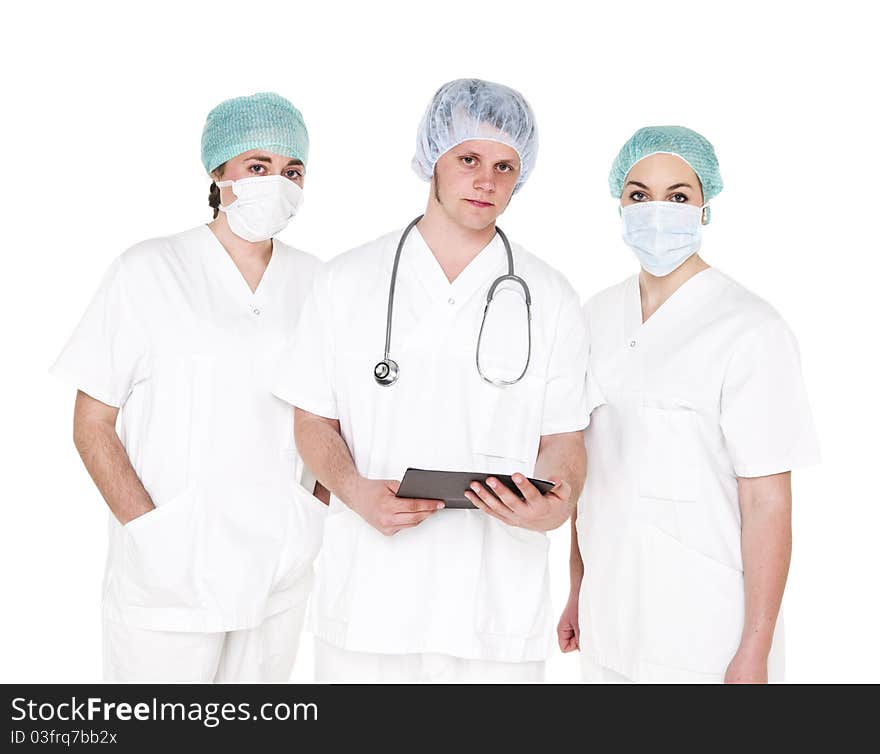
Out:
{"x": 393, "y": 285}
{"x": 391, "y": 368}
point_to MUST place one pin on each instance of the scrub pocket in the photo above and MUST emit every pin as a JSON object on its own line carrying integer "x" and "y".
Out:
{"x": 692, "y": 606}
{"x": 513, "y": 581}
{"x": 512, "y": 592}
{"x": 305, "y": 526}
{"x": 507, "y": 424}
{"x": 337, "y": 572}
{"x": 669, "y": 458}
{"x": 159, "y": 556}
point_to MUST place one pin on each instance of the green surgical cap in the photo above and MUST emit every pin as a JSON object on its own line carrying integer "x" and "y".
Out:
{"x": 260, "y": 121}
{"x": 694, "y": 149}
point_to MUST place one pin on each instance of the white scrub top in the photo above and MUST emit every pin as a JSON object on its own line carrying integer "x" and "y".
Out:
{"x": 707, "y": 390}
{"x": 460, "y": 583}
{"x": 176, "y": 339}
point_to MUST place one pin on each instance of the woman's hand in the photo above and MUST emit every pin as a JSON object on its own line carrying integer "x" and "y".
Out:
{"x": 747, "y": 666}
{"x": 568, "y": 631}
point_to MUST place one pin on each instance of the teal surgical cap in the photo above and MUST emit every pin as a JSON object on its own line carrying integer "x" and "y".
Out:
{"x": 694, "y": 149}
{"x": 467, "y": 109}
{"x": 260, "y": 121}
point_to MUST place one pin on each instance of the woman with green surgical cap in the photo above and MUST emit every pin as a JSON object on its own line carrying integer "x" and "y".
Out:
{"x": 213, "y": 527}
{"x": 682, "y": 537}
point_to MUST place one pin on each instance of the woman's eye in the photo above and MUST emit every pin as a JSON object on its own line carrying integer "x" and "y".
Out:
{"x": 257, "y": 168}
{"x": 504, "y": 167}
{"x": 468, "y": 160}
{"x": 637, "y": 196}
{"x": 293, "y": 174}
{"x": 679, "y": 198}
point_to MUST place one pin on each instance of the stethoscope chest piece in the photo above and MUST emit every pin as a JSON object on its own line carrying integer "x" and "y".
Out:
{"x": 386, "y": 372}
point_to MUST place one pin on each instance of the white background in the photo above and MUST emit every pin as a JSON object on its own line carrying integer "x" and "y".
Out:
{"x": 103, "y": 105}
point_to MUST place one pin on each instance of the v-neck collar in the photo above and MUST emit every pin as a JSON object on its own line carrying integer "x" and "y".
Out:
{"x": 680, "y": 297}
{"x": 478, "y": 273}
{"x": 220, "y": 260}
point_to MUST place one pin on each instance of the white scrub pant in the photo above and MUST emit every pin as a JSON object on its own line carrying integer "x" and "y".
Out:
{"x": 254, "y": 655}
{"x": 335, "y": 665}
{"x": 592, "y": 672}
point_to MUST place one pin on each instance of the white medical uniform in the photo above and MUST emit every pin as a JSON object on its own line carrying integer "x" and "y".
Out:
{"x": 707, "y": 390}
{"x": 461, "y": 583}
{"x": 335, "y": 665}
{"x": 176, "y": 339}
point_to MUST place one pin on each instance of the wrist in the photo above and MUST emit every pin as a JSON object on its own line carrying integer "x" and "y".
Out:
{"x": 755, "y": 647}
{"x": 351, "y": 490}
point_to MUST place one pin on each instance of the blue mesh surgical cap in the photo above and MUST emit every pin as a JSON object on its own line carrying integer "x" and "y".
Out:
{"x": 474, "y": 109}
{"x": 260, "y": 121}
{"x": 694, "y": 149}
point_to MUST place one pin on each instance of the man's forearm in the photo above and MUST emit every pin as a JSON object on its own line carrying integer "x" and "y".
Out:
{"x": 325, "y": 453}
{"x": 563, "y": 455}
{"x": 110, "y": 468}
{"x": 766, "y": 549}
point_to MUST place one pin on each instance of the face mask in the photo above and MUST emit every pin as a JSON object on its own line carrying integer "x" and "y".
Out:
{"x": 263, "y": 206}
{"x": 662, "y": 234}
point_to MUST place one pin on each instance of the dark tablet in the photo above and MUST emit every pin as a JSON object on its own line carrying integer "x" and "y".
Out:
{"x": 450, "y": 486}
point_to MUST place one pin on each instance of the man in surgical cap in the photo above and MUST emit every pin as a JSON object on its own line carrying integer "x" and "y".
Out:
{"x": 408, "y": 589}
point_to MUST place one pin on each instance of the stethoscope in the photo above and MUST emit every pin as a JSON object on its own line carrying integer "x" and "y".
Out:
{"x": 387, "y": 371}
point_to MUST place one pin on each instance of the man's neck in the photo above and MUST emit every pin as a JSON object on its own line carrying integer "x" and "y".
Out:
{"x": 453, "y": 245}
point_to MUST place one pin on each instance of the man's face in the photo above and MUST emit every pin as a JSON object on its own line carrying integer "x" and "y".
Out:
{"x": 473, "y": 182}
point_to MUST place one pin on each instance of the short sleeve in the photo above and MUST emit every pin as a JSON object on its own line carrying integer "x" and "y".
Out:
{"x": 304, "y": 372}
{"x": 105, "y": 356}
{"x": 594, "y": 395}
{"x": 565, "y": 399}
{"x": 765, "y": 416}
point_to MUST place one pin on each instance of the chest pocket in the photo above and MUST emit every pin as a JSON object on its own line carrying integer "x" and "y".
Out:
{"x": 669, "y": 457}
{"x": 507, "y": 423}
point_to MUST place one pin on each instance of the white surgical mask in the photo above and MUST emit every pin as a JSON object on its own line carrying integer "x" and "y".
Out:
{"x": 662, "y": 235}
{"x": 263, "y": 206}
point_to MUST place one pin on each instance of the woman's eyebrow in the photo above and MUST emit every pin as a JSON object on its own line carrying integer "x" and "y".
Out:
{"x": 640, "y": 185}
{"x": 262, "y": 158}
{"x": 679, "y": 185}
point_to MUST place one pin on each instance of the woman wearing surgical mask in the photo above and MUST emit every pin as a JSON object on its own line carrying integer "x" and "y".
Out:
{"x": 214, "y": 526}
{"x": 682, "y": 537}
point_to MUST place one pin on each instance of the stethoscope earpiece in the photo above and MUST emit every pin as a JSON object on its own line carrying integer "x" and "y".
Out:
{"x": 386, "y": 372}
